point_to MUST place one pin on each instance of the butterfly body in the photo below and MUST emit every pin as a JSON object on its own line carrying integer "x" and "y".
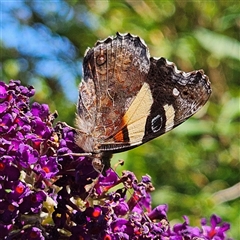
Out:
{"x": 127, "y": 98}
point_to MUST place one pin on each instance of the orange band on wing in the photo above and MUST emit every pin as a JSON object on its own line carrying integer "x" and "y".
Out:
{"x": 122, "y": 136}
{"x": 119, "y": 137}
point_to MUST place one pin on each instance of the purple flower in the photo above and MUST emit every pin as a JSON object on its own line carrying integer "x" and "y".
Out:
{"x": 8, "y": 212}
{"x": 8, "y": 171}
{"x": 6, "y": 123}
{"x": 3, "y": 106}
{"x": 24, "y": 138}
{"x": 121, "y": 208}
{"x": 122, "y": 228}
{"x": 3, "y": 90}
{"x": 17, "y": 190}
{"x": 32, "y": 203}
{"x": 215, "y": 231}
{"x": 32, "y": 233}
{"x": 46, "y": 190}
{"x": 26, "y": 155}
{"x": 47, "y": 167}
{"x": 160, "y": 212}
{"x": 39, "y": 110}
{"x": 186, "y": 231}
{"x": 104, "y": 183}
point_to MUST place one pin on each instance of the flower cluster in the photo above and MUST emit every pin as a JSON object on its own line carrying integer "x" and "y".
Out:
{"x": 47, "y": 192}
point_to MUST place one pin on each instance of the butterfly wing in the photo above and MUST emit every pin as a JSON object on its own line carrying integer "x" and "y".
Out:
{"x": 167, "y": 98}
{"x": 114, "y": 72}
{"x": 127, "y": 98}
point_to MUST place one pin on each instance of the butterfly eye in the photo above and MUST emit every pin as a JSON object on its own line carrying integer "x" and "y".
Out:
{"x": 101, "y": 59}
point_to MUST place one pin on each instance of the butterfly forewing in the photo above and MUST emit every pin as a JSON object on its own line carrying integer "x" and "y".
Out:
{"x": 114, "y": 72}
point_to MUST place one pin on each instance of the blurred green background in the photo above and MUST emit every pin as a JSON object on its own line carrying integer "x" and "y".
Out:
{"x": 194, "y": 168}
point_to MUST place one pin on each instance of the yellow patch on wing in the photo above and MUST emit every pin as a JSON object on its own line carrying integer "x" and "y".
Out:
{"x": 136, "y": 116}
{"x": 170, "y": 114}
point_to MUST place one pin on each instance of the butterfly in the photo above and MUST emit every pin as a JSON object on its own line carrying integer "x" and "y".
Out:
{"x": 127, "y": 98}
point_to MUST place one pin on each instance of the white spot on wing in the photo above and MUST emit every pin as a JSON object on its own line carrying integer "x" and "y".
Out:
{"x": 156, "y": 123}
{"x": 175, "y": 92}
